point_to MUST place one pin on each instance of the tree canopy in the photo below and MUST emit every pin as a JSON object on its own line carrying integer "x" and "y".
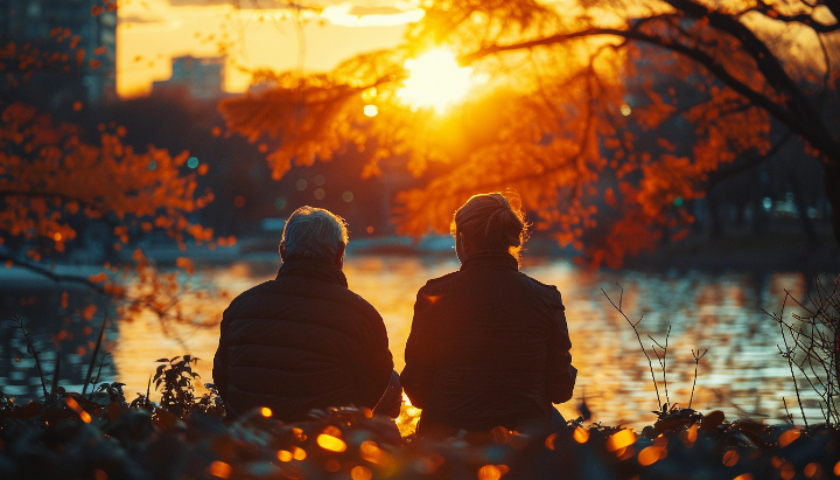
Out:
{"x": 604, "y": 115}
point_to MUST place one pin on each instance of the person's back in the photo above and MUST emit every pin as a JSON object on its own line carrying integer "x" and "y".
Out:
{"x": 303, "y": 341}
{"x": 488, "y": 346}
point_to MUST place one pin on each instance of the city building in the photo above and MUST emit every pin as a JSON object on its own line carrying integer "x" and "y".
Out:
{"x": 194, "y": 78}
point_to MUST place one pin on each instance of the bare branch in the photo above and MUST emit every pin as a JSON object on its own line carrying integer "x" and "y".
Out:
{"x": 638, "y": 337}
{"x": 697, "y": 357}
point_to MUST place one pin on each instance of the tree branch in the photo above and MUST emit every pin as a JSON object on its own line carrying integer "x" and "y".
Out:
{"x": 45, "y": 272}
{"x": 719, "y": 175}
{"x": 800, "y": 120}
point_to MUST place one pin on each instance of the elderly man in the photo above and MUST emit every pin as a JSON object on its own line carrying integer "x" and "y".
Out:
{"x": 303, "y": 340}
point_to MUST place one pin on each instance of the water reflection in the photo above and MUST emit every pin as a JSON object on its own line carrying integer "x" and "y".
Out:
{"x": 742, "y": 374}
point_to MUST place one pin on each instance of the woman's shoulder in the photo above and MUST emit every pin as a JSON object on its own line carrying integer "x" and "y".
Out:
{"x": 438, "y": 284}
{"x": 543, "y": 289}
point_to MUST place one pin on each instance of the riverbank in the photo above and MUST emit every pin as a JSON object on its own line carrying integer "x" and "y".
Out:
{"x": 72, "y": 436}
{"x": 776, "y": 251}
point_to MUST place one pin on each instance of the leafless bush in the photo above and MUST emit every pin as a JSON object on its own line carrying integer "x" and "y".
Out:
{"x": 811, "y": 343}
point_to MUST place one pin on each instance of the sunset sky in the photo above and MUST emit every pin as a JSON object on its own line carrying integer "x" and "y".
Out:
{"x": 152, "y": 32}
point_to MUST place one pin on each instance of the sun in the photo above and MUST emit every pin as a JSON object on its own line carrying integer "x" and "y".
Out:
{"x": 436, "y": 80}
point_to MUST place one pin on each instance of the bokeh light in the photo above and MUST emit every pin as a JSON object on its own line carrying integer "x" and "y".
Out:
{"x": 621, "y": 440}
{"x": 360, "y": 473}
{"x": 220, "y": 469}
{"x": 331, "y": 443}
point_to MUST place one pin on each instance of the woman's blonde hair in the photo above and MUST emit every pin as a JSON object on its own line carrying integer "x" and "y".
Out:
{"x": 490, "y": 222}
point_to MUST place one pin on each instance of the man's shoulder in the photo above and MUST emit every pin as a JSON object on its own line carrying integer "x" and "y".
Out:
{"x": 256, "y": 290}
{"x": 292, "y": 289}
{"x": 359, "y": 304}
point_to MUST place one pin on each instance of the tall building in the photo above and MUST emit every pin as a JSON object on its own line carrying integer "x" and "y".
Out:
{"x": 94, "y": 22}
{"x": 194, "y": 78}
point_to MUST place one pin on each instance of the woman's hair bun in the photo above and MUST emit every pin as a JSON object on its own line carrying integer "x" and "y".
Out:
{"x": 492, "y": 223}
{"x": 512, "y": 227}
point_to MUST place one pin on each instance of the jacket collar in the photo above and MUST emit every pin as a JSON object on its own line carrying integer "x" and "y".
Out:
{"x": 313, "y": 268}
{"x": 490, "y": 258}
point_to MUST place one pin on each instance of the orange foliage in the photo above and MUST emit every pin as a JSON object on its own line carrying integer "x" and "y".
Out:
{"x": 47, "y": 174}
{"x": 605, "y": 118}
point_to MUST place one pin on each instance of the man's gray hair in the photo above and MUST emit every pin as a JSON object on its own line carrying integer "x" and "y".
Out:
{"x": 314, "y": 233}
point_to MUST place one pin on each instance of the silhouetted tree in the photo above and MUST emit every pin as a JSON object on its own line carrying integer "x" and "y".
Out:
{"x": 604, "y": 115}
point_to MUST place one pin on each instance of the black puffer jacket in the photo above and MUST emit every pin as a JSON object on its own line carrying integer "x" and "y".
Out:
{"x": 299, "y": 342}
{"x": 488, "y": 347}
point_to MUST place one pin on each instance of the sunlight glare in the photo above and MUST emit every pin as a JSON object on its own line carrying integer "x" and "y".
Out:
{"x": 436, "y": 80}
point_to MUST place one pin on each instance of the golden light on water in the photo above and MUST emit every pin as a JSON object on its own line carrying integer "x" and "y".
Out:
{"x": 436, "y": 80}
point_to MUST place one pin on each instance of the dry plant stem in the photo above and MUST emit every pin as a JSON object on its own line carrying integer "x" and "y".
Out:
{"x": 662, "y": 361}
{"x": 31, "y": 348}
{"x": 55, "y": 375}
{"x": 95, "y": 354}
{"x": 817, "y": 337}
{"x": 638, "y": 337}
{"x": 790, "y": 360}
{"x": 697, "y": 356}
{"x": 790, "y": 417}
{"x": 99, "y": 371}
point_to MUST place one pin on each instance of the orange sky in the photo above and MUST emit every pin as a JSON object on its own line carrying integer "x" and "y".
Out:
{"x": 152, "y": 32}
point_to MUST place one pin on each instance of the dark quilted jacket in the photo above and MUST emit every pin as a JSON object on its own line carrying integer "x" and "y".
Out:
{"x": 488, "y": 347}
{"x": 299, "y": 342}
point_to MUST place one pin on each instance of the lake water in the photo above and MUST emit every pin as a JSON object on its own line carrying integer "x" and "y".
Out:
{"x": 742, "y": 374}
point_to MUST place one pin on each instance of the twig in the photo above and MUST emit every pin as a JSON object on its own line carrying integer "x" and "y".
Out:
{"x": 788, "y": 354}
{"x": 54, "y": 388}
{"x": 662, "y": 361}
{"x": 697, "y": 356}
{"x": 638, "y": 337}
{"x": 99, "y": 372}
{"x": 31, "y": 348}
{"x": 784, "y": 403}
{"x": 95, "y": 353}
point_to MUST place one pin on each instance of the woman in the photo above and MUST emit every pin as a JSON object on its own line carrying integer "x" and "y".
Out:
{"x": 489, "y": 345}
